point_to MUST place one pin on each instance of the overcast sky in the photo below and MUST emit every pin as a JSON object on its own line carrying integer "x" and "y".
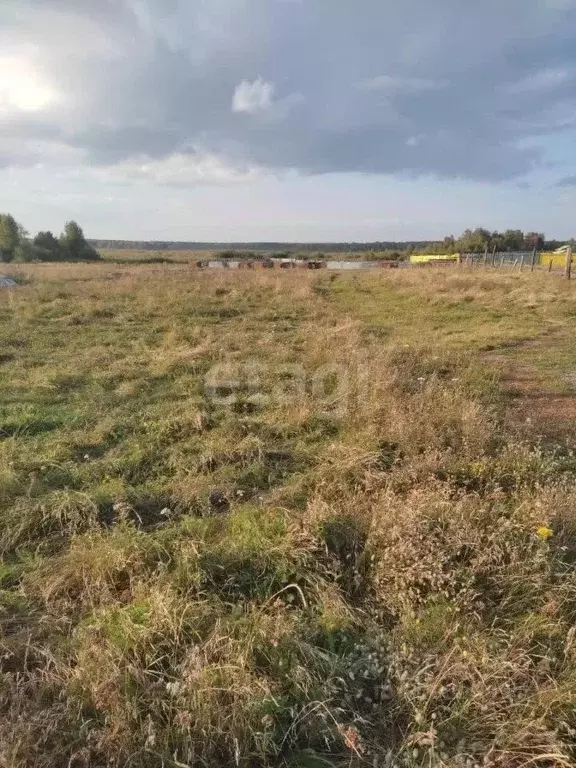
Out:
{"x": 288, "y": 119}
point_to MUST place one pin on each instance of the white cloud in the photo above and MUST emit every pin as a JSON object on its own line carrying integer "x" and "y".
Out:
{"x": 253, "y": 97}
{"x": 179, "y": 170}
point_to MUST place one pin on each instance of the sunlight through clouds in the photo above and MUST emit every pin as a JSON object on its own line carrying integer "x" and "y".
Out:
{"x": 21, "y": 87}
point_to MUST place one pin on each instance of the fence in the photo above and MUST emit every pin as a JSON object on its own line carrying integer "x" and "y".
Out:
{"x": 512, "y": 259}
{"x": 501, "y": 258}
{"x": 522, "y": 259}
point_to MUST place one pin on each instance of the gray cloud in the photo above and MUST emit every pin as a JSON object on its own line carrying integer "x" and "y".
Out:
{"x": 375, "y": 86}
{"x": 567, "y": 181}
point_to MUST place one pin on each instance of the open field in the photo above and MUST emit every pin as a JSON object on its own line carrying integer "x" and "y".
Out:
{"x": 122, "y": 256}
{"x": 286, "y": 519}
{"x": 177, "y": 256}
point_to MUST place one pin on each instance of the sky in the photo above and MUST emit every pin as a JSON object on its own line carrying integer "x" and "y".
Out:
{"x": 298, "y": 120}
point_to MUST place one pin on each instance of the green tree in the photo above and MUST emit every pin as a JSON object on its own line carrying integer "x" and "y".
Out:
{"x": 513, "y": 240}
{"x": 10, "y": 236}
{"x": 449, "y": 244}
{"x": 48, "y": 247}
{"x": 74, "y": 245}
{"x": 474, "y": 241}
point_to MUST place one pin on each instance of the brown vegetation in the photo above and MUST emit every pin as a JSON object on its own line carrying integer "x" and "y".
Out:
{"x": 388, "y": 575}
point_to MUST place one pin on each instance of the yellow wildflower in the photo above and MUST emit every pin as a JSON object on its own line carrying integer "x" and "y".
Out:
{"x": 545, "y": 532}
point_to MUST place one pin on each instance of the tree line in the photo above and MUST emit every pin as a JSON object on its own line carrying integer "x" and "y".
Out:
{"x": 470, "y": 241}
{"x": 259, "y": 247}
{"x": 16, "y": 245}
{"x": 479, "y": 239}
{"x": 71, "y": 245}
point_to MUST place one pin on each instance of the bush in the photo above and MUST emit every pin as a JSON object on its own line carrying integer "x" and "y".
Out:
{"x": 48, "y": 247}
{"x": 74, "y": 245}
{"x": 27, "y": 251}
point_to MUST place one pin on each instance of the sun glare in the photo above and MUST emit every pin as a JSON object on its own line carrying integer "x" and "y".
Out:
{"x": 21, "y": 87}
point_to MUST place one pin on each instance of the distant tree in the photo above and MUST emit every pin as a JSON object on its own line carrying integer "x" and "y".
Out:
{"x": 534, "y": 240}
{"x": 513, "y": 240}
{"x": 449, "y": 244}
{"x": 496, "y": 241}
{"x": 49, "y": 248}
{"x": 474, "y": 241}
{"x": 74, "y": 245}
{"x": 11, "y": 235}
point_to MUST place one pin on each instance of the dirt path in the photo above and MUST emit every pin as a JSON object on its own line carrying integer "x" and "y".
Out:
{"x": 537, "y": 403}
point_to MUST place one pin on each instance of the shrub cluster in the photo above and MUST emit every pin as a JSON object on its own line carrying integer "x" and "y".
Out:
{"x": 15, "y": 245}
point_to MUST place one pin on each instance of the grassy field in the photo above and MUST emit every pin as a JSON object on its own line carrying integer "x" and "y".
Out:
{"x": 122, "y": 256}
{"x": 276, "y": 519}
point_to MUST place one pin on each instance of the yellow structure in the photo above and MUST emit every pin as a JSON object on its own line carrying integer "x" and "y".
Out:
{"x": 424, "y": 258}
{"x": 558, "y": 259}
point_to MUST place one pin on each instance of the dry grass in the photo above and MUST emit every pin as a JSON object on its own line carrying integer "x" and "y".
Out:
{"x": 124, "y": 256}
{"x": 266, "y": 519}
